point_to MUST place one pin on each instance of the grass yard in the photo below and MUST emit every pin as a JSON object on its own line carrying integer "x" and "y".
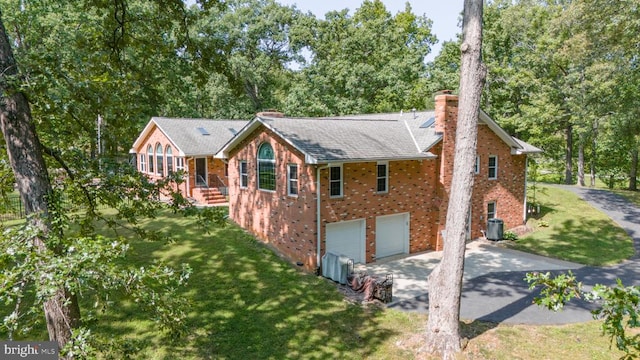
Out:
{"x": 247, "y": 303}
{"x": 633, "y": 196}
{"x": 568, "y": 228}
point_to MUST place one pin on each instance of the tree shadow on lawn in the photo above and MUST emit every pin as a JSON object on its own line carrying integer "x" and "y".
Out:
{"x": 589, "y": 242}
{"x": 245, "y": 302}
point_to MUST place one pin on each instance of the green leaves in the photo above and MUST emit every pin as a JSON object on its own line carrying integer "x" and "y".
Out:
{"x": 371, "y": 62}
{"x": 619, "y": 306}
{"x": 556, "y": 291}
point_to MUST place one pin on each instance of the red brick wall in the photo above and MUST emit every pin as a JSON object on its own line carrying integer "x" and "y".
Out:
{"x": 214, "y": 166}
{"x": 507, "y": 191}
{"x": 286, "y": 223}
{"x": 153, "y": 138}
{"x": 413, "y": 188}
{"x": 289, "y": 224}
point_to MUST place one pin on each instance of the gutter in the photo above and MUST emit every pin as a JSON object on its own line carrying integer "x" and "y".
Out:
{"x": 318, "y": 219}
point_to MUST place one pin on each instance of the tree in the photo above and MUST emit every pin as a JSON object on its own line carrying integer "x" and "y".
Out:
{"x": 365, "y": 63}
{"x": 59, "y": 253}
{"x": 445, "y": 282}
{"x": 242, "y": 51}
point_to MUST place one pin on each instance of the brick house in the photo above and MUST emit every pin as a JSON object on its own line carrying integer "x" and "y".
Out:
{"x": 367, "y": 186}
{"x": 166, "y": 145}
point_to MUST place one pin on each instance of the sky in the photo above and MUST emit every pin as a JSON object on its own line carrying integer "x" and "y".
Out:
{"x": 443, "y": 13}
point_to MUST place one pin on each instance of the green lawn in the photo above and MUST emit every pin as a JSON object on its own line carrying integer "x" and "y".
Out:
{"x": 633, "y": 196}
{"x": 247, "y": 303}
{"x": 569, "y": 228}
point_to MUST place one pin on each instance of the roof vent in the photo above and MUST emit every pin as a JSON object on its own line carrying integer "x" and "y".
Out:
{"x": 429, "y": 123}
{"x": 203, "y": 131}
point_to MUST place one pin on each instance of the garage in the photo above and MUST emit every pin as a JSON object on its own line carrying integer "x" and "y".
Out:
{"x": 392, "y": 235}
{"x": 347, "y": 238}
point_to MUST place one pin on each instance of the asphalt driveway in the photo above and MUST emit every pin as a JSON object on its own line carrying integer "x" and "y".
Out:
{"x": 494, "y": 289}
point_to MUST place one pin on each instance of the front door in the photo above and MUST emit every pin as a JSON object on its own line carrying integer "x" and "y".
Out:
{"x": 201, "y": 172}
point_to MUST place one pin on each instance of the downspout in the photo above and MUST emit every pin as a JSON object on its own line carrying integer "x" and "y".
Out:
{"x": 318, "y": 219}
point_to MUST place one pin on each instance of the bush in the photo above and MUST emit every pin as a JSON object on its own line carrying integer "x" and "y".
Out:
{"x": 510, "y": 235}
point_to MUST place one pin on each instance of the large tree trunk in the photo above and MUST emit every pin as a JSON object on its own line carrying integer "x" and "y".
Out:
{"x": 32, "y": 180}
{"x": 633, "y": 171}
{"x": 568, "y": 161}
{"x": 445, "y": 282}
{"x": 581, "y": 163}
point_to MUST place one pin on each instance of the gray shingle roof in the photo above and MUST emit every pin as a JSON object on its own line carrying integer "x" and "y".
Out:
{"x": 350, "y": 138}
{"x": 184, "y": 133}
{"x": 367, "y": 137}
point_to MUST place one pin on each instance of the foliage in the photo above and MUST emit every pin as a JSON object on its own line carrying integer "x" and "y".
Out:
{"x": 556, "y": 291}
{"x": 91, "y": 265}
{"x": 564, "y": 77}
{"x": 510, "y": 235}
{"x": 619, "y": 305}
{"x": 366, "y": 63}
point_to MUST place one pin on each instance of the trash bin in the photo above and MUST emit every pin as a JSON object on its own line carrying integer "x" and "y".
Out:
{"x": 495, "y": 229}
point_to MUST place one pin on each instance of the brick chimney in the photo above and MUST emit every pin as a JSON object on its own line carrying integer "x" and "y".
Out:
{"x": 270, "y": 113}
{"x": 446, "y": 114}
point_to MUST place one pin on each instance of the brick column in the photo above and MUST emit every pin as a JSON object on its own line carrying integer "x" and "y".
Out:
{"x": 446, "y": 122}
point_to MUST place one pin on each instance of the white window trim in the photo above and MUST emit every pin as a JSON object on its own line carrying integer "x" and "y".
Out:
{"x": 341, "y": 181}
{"x": 495, "y": 210}
{"x": 143, "y": 162}
{"x": 386, "y": 177}
{"x": 495, "y": 166}
{"x": 151, "y": 157}
{"x": 168, "y": 154}
{"x": 159, "y": 156}
{"x": 271, "y": 161}
{"x": 244, "y": 175}
{"x": 477, "y": 169}
{"x": 179, "y": 163}
{"x": 290, "y": 180}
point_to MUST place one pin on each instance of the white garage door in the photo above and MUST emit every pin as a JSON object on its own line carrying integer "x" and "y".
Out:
{"x": 392, "y": 235}
{"x": 347, "y": 238}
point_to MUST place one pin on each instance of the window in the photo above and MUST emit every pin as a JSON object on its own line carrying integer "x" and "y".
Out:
{"x": 266, "y": 168}
{"x": 491, "y": 210}
{"x": 335, "y": 181}
{"x": 493, "y": 167}
{"x": 244, "y": 177}
{"x": 150, "y": 157}
{"x": 382, "y": 177}
{"x": 477, "y": 169}
{"x": 179, "y": 164}
{"x": 292, "y": 180}
{"x": 159, "y": 160}
{"x": 143, "y": 162}
{"x": 169, "y": 154}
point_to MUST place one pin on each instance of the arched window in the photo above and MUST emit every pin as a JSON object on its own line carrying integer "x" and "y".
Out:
{"x": 266, "y": 168}
{"x": 169, "y": 154}
{"x": 159, "y": 160}
{"x": 150, "y": 156}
